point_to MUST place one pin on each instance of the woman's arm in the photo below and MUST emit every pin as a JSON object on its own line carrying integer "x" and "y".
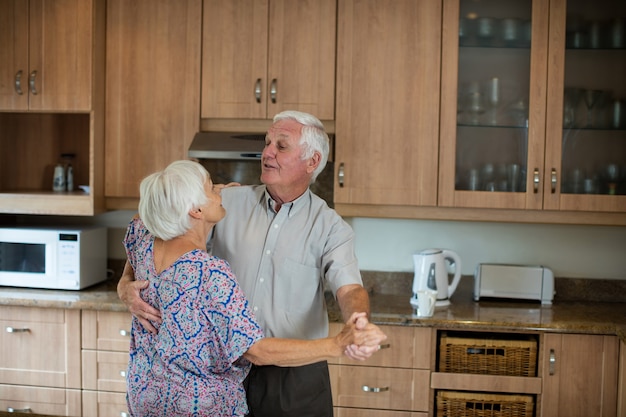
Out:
{"x": 293, "y": 352}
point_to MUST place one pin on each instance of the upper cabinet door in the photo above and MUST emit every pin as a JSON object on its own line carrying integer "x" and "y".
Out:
{"x": 14, "y": 55}
{"x": 493, "y": 103}
{"x": 60, "y": 55}
{"x": 586, "y": 119}
{"x": 301, "y": 65}
{"x": 533, "y": 98}
{"x": 388, "y": 80}
{"x": 152, "y": 89}
{"x": 47, "y": 64}
{"x": 261, "y": 57}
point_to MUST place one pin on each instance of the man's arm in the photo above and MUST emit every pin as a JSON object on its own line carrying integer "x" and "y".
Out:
{"x": 354, "y": 298}
{"x": 128, "y": 290}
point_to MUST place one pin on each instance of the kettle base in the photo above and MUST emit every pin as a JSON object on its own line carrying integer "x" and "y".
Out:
{"x": 442, "y": 303}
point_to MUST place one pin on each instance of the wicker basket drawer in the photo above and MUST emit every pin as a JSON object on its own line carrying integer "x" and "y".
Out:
{"x": 473, "y": 404}
{"x": 488, "y": 355}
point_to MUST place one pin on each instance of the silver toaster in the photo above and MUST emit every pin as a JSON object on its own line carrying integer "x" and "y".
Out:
{"x": 525, "y": 282}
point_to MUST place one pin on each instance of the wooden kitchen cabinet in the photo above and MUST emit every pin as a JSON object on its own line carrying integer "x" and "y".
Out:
{"x": 580, "y": 375}
{"x": 261, "y": 57}
{"x": 387, "y": 124}
{"x": 40, "y": 364}
{"x": 394, "y": 381}
{"x": 105, "y": 345}
{"x": 512, "y": 135}
{"x": 152, "y": 90}
{"x": 61, "y": 43}
{"x": 47, "y": 55}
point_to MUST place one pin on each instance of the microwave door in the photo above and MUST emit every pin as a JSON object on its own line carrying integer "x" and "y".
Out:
{"x": 23, "y": 257}
{"x": 26, "y": 264}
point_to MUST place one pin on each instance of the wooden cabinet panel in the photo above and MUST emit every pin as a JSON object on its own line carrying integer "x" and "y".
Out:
{"x": 372, "y": 387}
{"x": 104, "y": 404}
{"x": 580, "y": 375}
{"x": 152, "y": 89}
{"x": 13, "y": 54}
{"x": 105, "y": 343}
{"x": 51, "y": 45}
{"x": 65, "y": 42}
{"x": 387, "y": 124}
{"x": 362, "y": 412}
{"x": 252, "y": 47}
{"x": 106, "y": 330}
{"x": 391, "y": 379}
{"x": 104, "y": 371}
{"x": 40, "y": 400}
{"x": 41, "y": 347}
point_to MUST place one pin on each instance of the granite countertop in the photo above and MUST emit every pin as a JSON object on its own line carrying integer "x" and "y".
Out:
{"x": 390, "y": 305}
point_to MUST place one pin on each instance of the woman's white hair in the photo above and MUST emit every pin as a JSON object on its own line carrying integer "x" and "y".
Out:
{"x": 166, "y": 198}
{"x": 313, "y": 139}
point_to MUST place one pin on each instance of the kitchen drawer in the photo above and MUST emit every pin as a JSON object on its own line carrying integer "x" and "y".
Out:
{"x": 40, "y": 346}
{"x": 405, "y": 347}
{"x": 40, "y": 400}
{"x": 380, "y": 388}
{"x": 104, "y": 404}
{"x": 104, "y": 370}
{"x": 362, "y": 412}
{"x": 106, "y": 330}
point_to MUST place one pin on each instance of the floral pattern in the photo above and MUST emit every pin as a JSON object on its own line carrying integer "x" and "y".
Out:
{"x": 194, "y": 365}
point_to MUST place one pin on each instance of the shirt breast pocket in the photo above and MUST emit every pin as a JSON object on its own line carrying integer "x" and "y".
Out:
{"x": 298, "y": 285}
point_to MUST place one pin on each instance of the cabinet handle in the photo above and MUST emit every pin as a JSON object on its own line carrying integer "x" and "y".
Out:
{"x": 553, "y": 180}
{"x": 257, "y": 90}
{"x": 273, "y": 90}
{"x": 552, "y": 361}
{"x": 18, "y": 83}
{"x": 14, "y": 330}
{"x": 31, "y": 82}
{"x": 124, "y": 414}
{"x": 123, "y": 374}
{"x": 385, "y": 346}
{"x": 340, "y": 174}
{"x": 374, "y": 389}
{"x": 18, "y": 410}
{"x": 536, "y": 180}
{"x": 124, "y": 332}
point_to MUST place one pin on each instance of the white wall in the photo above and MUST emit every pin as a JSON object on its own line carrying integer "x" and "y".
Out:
{"x": 388, "y": 245}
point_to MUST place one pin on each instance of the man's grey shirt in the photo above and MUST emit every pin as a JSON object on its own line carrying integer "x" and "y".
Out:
{"x": 283, "y": 261}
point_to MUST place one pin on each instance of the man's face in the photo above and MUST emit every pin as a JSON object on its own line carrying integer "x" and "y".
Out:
{"x": 281, "y": 162}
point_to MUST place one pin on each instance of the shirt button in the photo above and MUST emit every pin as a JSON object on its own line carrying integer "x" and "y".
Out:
{"x": 262, "y": 280}
{"x": 256, "y": 308}
{"x": 275, "y": 226}
{"x": 267, "y": 252}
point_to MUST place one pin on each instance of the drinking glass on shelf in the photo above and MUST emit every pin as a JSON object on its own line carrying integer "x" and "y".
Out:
{"x": 591, "y": 98}
{"x": 571, "y": 102}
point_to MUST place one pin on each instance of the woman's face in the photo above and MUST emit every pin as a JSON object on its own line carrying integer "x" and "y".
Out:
{"x": 213, "y": 210}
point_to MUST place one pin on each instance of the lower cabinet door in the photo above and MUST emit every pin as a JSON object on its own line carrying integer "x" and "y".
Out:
{"x": 104, "y": 404}
{"x": 40, "y": 400}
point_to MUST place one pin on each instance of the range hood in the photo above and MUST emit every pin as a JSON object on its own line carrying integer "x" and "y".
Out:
{"x": 227, "y": 145}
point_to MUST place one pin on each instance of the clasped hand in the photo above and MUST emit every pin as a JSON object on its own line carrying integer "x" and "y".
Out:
{"x": 366, "y": 337}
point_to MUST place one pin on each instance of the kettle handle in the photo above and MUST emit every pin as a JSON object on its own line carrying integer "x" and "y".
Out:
{"x": 452, "y": 256}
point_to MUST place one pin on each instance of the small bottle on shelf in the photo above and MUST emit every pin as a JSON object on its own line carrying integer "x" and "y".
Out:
{"x": 58, "y": 179}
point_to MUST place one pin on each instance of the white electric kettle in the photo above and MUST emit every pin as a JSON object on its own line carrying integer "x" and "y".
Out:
{"x": 431, "y": 273}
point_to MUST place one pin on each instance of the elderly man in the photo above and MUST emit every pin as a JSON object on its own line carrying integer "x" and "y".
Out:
{"x": 285, "y": 245}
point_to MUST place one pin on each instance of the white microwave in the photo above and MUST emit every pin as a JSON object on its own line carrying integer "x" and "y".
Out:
{"x": 69, "y": 258}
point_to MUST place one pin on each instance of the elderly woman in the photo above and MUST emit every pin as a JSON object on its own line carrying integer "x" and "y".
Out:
{"x": 208, "y": 335}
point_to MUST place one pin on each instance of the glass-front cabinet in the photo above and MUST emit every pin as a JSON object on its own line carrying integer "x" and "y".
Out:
{"x": 533, "y": 97}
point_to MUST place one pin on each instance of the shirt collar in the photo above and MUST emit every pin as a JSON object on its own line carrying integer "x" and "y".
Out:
{"x": 293, "y": 206}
